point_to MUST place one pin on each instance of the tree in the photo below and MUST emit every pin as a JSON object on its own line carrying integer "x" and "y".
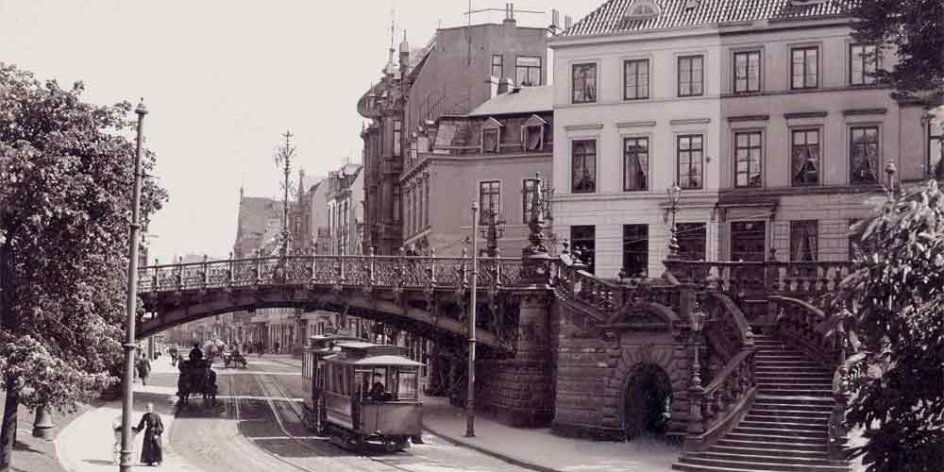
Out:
{"x": 915, "y": 29}
{"x": 66, "y": 173}
{"x": 896, "y": 333}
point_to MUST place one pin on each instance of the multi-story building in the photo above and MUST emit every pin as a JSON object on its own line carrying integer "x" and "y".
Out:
{"x": 345, "y": 214}
{"x": 764, "y": 113}
{"x": 492, "y": 155}
{"x": 457, "y": 71}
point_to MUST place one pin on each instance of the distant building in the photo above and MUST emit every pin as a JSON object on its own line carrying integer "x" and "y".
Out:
{"x": 491, "y": 155}
{"x": 344, "y": 197}
{"x": 456, "y": 72}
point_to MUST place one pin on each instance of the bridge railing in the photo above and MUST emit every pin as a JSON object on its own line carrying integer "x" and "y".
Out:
{"x": 805, "y": 280}
{"x": 412, "y": 272}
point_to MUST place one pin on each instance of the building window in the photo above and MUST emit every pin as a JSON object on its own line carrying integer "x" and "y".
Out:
{"x": 863, "y": 159}
{"x": 528, "y": 70}
{"x": 490, "y": 140}
{"x": 584, "y": 166}
{"x": 584, "y": 84}
{"x": 498, "y": 66}
{"x": 690, "y": 156}
{"x": 583, "y": 242}
{"x": 691, "y": 78}
{"x": 804, "y": 149}
{"x": 691, "y": 238}
{"x": 636, "y": 79}
{"x": 748, "y": 241}
{"x": 747, "y": 159}
{"x": 397, "y": 137}
{"x": 635, "y": 164}
{"x": 527, "y": 199}
{"x": 636, "y": 250}
{"x": 489, "y": 199}
{"x": 863, "y": 61}
{"x": 534, "y": 138}
{"x": 803, "y": 240}
{"x": 804, "y": 68}
{"x": 747, "y": 72}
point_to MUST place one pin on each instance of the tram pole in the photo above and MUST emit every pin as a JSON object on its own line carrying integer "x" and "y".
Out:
{"x": 129, "y": 345}
{"x": 473, "y": 289}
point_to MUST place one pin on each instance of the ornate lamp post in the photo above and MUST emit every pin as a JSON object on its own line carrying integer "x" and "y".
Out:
{"x": 890, "y": 174}
{"x": 132, "y": 292}
{"x": 674, "y": 192}
{"x": 473, "y": 288}
{"x": 283, "y": 158}
{"x": 695, "y": 427}
{"x": 493, "y": 231}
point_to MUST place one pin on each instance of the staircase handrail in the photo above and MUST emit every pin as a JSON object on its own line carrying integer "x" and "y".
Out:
{"x": 724, "y": 401}
{"x": 808, "y": 278}
{"x": 734, "y": 314}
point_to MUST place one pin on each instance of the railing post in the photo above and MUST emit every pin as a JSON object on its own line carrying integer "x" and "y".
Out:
{"x": 314, "y": 268}
{"x": 232, "y": 271}
{"x": 401, "y": 268}
{"x": 180, "y": 273}
{"x": 155, "y": 277}
{"x": 206, "y": 271}
{"x": 258, "y": 276}
{"x": 370, "y": 266}
{"x": 432, "y": 267}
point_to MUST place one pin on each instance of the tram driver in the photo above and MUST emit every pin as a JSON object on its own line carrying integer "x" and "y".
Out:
{"x": 378, "y": 392}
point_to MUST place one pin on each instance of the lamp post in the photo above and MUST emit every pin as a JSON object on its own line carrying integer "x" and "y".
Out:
{"x": 696, "y": 391}
{"x": 674, "y": 192}
{"x": 493, "y": 231}
{"x": 129, "y": 344}
{"x": 890, "y": 173}
{"x": 473, "y": 288}
{"x": 283, "y": 158}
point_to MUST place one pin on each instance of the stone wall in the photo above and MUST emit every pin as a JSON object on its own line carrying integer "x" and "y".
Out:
{"x": 519, "y": 391}
{"x": 593, "y": 371}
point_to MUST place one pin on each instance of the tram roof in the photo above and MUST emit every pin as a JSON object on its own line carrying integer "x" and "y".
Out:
{"x": 385, "y": 360}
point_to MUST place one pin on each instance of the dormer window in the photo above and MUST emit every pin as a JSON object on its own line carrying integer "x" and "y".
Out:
{"x": 491, "y": 136}
{"x": 532, "y": 134}
{"x": 642, "y": 10}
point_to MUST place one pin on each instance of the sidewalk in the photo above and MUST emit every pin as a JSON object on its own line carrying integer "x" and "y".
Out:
{"x": 86, "y": 444}
{"x": 540, "y": 450}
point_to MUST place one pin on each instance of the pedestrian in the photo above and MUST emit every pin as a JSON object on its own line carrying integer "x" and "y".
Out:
{"x": 152, "y": 448}
{"x": 116, "y": 427}
{"x": 276, "y": 347}
{"x": 144, "y": 368}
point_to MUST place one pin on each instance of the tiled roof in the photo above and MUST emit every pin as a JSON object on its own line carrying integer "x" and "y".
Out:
{"x": 611, "y": 17}
{"x": 525, "y": 100}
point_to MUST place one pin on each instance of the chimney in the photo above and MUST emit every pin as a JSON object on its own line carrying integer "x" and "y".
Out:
{"x": 555, "y": 21}
{"x": 509, "y": 14}
{"x": 493, "y": 84}
{"x": 568, "y": 22}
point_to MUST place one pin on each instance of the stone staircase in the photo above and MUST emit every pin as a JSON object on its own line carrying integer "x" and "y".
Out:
{"x": 786, "y": 429}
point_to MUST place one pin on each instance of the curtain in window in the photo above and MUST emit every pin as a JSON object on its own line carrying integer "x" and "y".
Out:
{"x": 534, "y": 138}
{"x": 490, "y": 140}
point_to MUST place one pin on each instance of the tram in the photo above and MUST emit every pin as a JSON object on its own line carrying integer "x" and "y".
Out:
{"x": 319, "y": 346}
{"x": 365, "y": 393}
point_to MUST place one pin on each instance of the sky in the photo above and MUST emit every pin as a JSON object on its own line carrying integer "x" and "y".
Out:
{"x": 224, "y": 79}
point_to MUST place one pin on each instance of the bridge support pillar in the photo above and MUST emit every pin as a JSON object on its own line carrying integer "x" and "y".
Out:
{"x": 520, "y": 391}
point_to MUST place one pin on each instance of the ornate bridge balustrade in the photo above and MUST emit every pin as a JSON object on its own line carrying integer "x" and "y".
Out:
{"x": 427, "y": 292}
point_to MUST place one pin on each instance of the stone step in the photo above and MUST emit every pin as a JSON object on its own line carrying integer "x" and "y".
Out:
{"x": 778, "y": 417}
{"x": 778, "y": 385}
{"x": 813, "y": 411}
{"x": 807, "y": 400}
{"x": 818, "y": 447}
{"x": 746, "y": 464}
{"x": 788, "y": 450}
{"x": 787, "y": 390}
{"x": 759, "y": 457}
{"x": 794, "y": 364}
{"x": 799, "y": 428}
{"x": 798, "y": 377}
{"x": 772, "y": 431}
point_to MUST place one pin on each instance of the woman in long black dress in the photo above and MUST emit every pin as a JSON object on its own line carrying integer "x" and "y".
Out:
{"x": 151, "y": 451}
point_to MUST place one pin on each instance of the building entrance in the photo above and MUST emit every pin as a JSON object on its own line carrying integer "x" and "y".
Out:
{"x": 647, "y": 402}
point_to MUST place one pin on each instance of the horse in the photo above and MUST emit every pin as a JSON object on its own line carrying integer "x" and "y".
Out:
{"x": 196, "y": 377}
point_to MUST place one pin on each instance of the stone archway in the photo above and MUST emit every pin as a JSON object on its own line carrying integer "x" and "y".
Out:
{"x": 647, "y": 401}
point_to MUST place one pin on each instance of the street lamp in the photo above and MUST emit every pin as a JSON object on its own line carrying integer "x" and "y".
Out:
{"x": 493, "y": 231}
{"x": 674, "y": 192}
{"x": 132, "y": 292}
{"x": 473, "y": 288}
{"x": 890, "y": 173}
{"x": 283, "y": 158}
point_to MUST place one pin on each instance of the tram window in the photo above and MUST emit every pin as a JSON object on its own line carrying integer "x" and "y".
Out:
{"x": 406, "y": 385}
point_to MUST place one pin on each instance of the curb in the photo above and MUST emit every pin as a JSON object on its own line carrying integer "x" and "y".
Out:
{"x": 489, "y": 452}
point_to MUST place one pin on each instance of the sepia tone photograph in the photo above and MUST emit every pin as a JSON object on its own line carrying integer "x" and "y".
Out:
{"x": 472, "y": 236}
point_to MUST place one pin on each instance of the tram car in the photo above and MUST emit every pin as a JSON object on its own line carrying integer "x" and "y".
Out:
{"x": 319, "y": 346}
{"x": 367, "y": 393}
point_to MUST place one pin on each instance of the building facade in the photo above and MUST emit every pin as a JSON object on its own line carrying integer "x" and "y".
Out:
{"x": 344, "y": 197}
{"x": 767, "y": 119}
{"x": 493, "y": 155}
{"x": 458, "y": 70}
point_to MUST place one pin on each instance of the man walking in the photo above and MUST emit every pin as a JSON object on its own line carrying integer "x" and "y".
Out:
{"x": 144, "y": 368}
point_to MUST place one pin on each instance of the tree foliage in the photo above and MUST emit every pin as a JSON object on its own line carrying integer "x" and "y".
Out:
{"x": 915, "y": 31}
{"x": 66, "y": 173}
{"x": 896, "y": 333}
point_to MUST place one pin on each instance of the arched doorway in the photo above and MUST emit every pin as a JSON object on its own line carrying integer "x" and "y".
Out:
{"x": 647, "y": 401}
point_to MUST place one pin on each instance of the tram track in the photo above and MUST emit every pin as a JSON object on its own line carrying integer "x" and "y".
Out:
{"x": 272, "y": 391}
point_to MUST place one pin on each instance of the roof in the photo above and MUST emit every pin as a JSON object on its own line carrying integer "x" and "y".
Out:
{"x": 611, "y": 17}
{"x": 398, "y": 361}
{"x": 524, "y": 100}
{"x": 255, "y": 214}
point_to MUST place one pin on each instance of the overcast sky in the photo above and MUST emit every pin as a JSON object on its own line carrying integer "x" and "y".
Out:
{"x": 223, "y": 79}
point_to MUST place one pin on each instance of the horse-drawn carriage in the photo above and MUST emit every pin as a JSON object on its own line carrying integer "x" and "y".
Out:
{"x": 234, "y": 359}
{"x": 196, "y": 377}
